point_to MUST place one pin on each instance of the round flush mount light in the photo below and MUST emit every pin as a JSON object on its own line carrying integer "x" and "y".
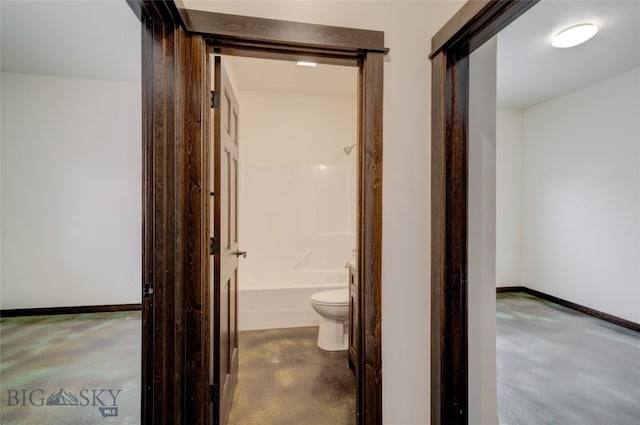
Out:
{"x": 574, "y": 35}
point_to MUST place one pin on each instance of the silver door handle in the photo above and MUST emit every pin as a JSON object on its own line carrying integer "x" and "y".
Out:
{"x": 238, "y": 253}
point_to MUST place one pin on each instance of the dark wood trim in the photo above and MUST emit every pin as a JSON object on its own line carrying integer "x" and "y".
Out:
{"x": 217, "y": 410}
{"x": 83, "y": 309}
{"x": 162, "y": 324}
{"x": 192, "y": 104}
{"x": 503, "y": 289}
{"x": 449, "y": 265}
{"x": 173, "y": 244}
{"x": 176, "y": 329}
{"x": 160, "y": 261}
{"x": 165, "y": 308}
{"x": 369, "y": 370}
{"x": 438, "y": 227}
{"x": 273, "y": 32}
{"x": 628, "y": 324}
{"x": 475, "y": 23}
{"x": 456, "y": 24}
{"x": 209, "y": 313}
{"x": 161, "y": 10}
{"x": 233, "y": 48}
{"x": 283, "y": 43}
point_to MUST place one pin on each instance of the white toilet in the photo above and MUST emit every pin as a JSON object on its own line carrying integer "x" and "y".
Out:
{"x": 333, "y": 306}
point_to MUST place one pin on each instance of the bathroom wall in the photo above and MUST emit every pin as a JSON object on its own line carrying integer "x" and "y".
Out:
{"x": 297, "y": 201}
{"x": 297, "y": 187}
{"x": 71, "y": 191}
{"x": 408, "y": 28}
{"x": 581, "y": 196}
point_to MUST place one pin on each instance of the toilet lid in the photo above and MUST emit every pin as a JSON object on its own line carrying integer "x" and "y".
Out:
{"x": 335, "y": 296}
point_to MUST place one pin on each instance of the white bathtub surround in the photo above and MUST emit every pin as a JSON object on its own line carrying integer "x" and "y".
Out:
{"x": 285, "y": 307}
{"x": 296, "y": 223}
{"x": 297, "y": 204}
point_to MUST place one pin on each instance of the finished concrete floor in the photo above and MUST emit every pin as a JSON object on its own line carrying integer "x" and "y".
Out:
{"x": 71, "y": 369}
{"x": 285, "y": 379}
{"x": 556, "y": 366}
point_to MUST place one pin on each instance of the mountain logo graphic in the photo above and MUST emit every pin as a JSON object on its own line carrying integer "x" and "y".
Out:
{"x": 62, "y": 398}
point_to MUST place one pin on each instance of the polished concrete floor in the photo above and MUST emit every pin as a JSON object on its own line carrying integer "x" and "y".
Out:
{"x": 70, "y": 369}
{"x": 285, "y": 379}
{"x": 556, "y": 366}
{"x": 75, "y": 369}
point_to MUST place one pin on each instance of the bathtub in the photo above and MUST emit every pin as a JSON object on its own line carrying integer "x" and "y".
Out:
{"x": 271, "y": 306}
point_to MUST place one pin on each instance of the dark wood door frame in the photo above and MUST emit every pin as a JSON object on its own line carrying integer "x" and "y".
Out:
{"x": 474, "y": 24}
{"x": 176, "y": 150}
{"x": 163, "y": 345}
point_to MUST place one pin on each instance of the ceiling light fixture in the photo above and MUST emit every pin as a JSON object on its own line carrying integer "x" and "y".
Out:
{"x": 307, "y": 64}
{"x": 574, "y": 35}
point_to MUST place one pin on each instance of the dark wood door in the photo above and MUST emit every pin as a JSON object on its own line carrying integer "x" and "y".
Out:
{"x": 226, "y": 253}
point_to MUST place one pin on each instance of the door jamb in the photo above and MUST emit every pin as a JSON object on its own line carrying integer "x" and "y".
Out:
{"x": 370, "y": 64}
{"x": 175, "y": 159}
{"x": 474, "y": 24}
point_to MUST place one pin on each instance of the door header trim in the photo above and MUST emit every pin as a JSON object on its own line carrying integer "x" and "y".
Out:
{"x": 274, "y": 32}
{"x": 475, "y": 23}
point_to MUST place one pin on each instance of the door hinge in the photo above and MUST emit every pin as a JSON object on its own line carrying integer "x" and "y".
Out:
{"x": 215, "y": 99}
{"x": 147, "y": 291}
{"x": 214, "y": 246}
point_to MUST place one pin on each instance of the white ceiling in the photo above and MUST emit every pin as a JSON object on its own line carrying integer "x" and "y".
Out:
{"x": 531, "y": 71}
{"x": 101, "y": 39}
{"x": 83, "y": 39}
{"x": 286, "y": 77}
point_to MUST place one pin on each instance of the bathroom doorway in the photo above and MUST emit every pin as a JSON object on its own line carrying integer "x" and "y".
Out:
{"x": 285, "y": 157}
{"x": 176, "y": 343}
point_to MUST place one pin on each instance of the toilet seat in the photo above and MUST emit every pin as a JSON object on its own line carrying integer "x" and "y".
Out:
{"x": 331, "y": 297}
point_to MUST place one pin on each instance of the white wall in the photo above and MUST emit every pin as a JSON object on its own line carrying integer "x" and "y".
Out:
{"x": 509, "y": 197}
{"x": 581, "y": 204}
{"x": 408, "y": 28}
{"x": 482, "y": 235}
{"x": 297, "y": 187}
{"x": 71, "y": 192}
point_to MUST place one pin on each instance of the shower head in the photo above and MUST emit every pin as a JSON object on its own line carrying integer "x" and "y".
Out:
{"x": 348, "y": 149}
